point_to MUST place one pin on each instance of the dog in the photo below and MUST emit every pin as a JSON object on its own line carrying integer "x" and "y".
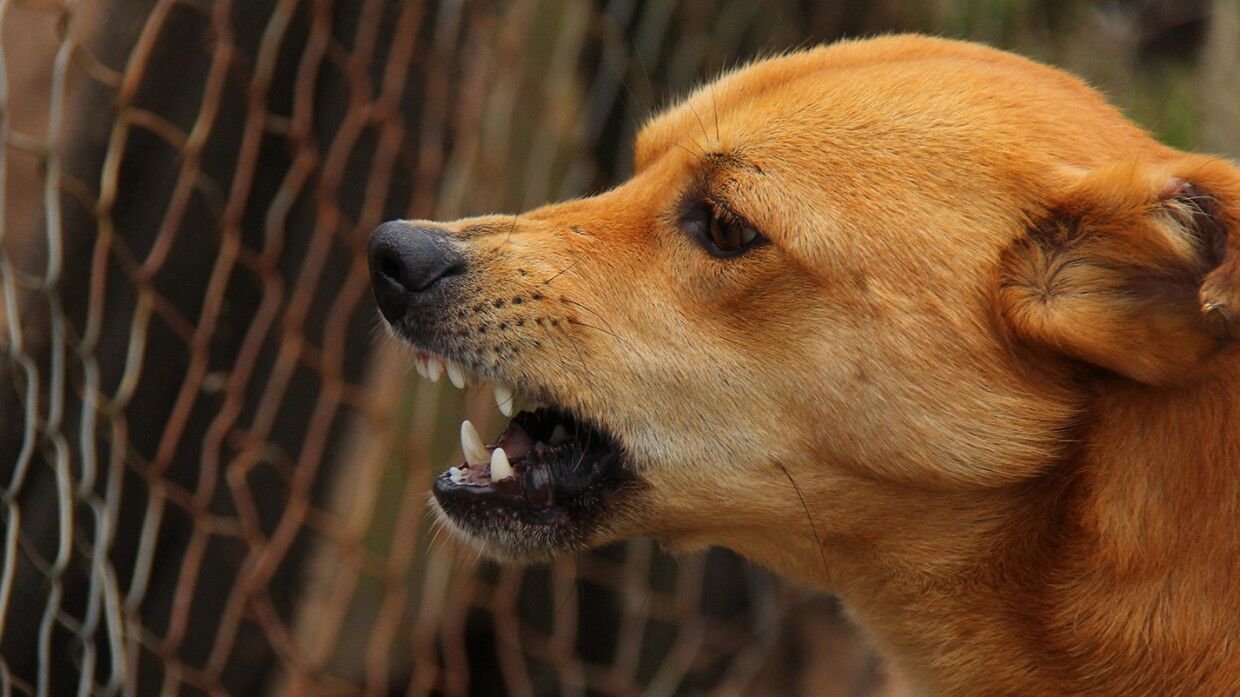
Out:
{"x": 922, "y": 323}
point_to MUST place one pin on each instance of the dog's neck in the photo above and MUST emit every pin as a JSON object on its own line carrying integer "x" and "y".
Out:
{"x": 1115, "y": 570}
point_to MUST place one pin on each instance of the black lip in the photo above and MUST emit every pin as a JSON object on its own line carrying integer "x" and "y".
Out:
{"x": 561, "y": 489}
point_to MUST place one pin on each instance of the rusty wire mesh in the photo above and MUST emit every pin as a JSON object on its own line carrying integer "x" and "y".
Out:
{"x": 213, "y": 473}
{"x": 217, "y": 474}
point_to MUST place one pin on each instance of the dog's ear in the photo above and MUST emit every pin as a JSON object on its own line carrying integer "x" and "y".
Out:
{"x": 1135, "y": 268}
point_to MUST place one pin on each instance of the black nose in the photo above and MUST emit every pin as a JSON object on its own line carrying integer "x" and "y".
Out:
{"x": 407, "y": 263}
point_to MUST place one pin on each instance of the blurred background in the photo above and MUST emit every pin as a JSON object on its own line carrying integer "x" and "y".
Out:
{"x": 214, "y": 467}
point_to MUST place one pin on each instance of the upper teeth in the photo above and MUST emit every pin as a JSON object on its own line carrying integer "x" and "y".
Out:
{"x": 432, "y": 367}
{"x": 456, "y": 374}
{"x": 503, "y": 398}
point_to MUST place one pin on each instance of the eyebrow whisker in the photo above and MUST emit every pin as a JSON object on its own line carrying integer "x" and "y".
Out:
{"x": 715, "y": 107}
{"x": 701, "y": 123}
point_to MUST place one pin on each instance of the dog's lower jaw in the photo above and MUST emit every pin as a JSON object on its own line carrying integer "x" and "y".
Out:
{"x": 490, "y": 548}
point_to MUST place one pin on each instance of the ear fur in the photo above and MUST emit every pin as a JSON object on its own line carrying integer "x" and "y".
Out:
{"x": 1134, "y": 268}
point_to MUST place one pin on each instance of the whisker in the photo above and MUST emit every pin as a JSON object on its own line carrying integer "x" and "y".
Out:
{"x": 567, "y": 597}
{"x": 813, "y": 528}
{"x": 588, "y": 309}
{"x": 512, "y": 229}
{"x": 438, "y": 527}
{"x": 694, "y": 155}
{"x": 715, "y": 106}
{"x": 581, "y": 360}
{"x": 581, "y": 459}
{"x": 701, "y": 123}
{"x": 561, "y": 272}
{"x": 600, "y": 329}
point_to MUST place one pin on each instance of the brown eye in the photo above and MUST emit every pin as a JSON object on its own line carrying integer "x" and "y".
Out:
{"x": 724, "y": 234}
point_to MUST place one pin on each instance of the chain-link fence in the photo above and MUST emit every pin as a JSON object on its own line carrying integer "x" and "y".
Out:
{"x": 213, "y": 470}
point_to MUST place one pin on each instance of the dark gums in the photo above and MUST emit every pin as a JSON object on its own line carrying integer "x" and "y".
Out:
{"x": 552, "y": 484}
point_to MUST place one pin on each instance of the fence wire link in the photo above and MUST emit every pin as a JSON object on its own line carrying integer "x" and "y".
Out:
{"x": 214, "y": 471}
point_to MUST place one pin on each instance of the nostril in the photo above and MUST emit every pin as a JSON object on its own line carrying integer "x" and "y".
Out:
{"x": 406, "y": 260}
{"x": 389, "y": 268}
{"x": 454, "y": 270}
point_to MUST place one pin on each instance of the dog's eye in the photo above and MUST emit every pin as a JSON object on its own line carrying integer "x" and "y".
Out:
{"x": 720, "y": 232}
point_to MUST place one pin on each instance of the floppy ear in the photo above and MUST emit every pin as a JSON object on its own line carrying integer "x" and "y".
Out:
{"x": 1135, "y": 268}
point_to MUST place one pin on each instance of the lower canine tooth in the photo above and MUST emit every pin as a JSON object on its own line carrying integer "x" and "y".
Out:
{"x": 500, "y": 467}
{"x": 471, "y": 445}
{"x": 503, "y": 398}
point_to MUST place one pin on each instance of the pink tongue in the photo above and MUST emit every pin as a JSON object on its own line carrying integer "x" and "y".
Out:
{"x": 515, "y": 442}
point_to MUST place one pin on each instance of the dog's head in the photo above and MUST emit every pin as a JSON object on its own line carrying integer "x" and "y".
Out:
{"x": 839, "y": 281}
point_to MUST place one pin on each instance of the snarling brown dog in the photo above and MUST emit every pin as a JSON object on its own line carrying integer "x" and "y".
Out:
{"x": 926, "y": 324}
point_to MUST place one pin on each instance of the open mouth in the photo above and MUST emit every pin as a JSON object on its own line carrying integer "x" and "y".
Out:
{"x": 543, "y": 466}
{"x": 545, "y": 483}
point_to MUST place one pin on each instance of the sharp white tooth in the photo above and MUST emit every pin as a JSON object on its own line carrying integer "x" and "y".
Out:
{"x": 471, "y": 445}
{"x": 559, "y": 435}
{"x": 500, "y": 468}
{"x": 420, "y": 363}
{"x": 435, "y": 368}
{"x": 456, "y": 474}
{"x": 503, "y": 398}
{"x": 456, "y": 374}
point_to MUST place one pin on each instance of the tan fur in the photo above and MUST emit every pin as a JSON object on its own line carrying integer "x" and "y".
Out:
{"x": 978, "y": 384}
